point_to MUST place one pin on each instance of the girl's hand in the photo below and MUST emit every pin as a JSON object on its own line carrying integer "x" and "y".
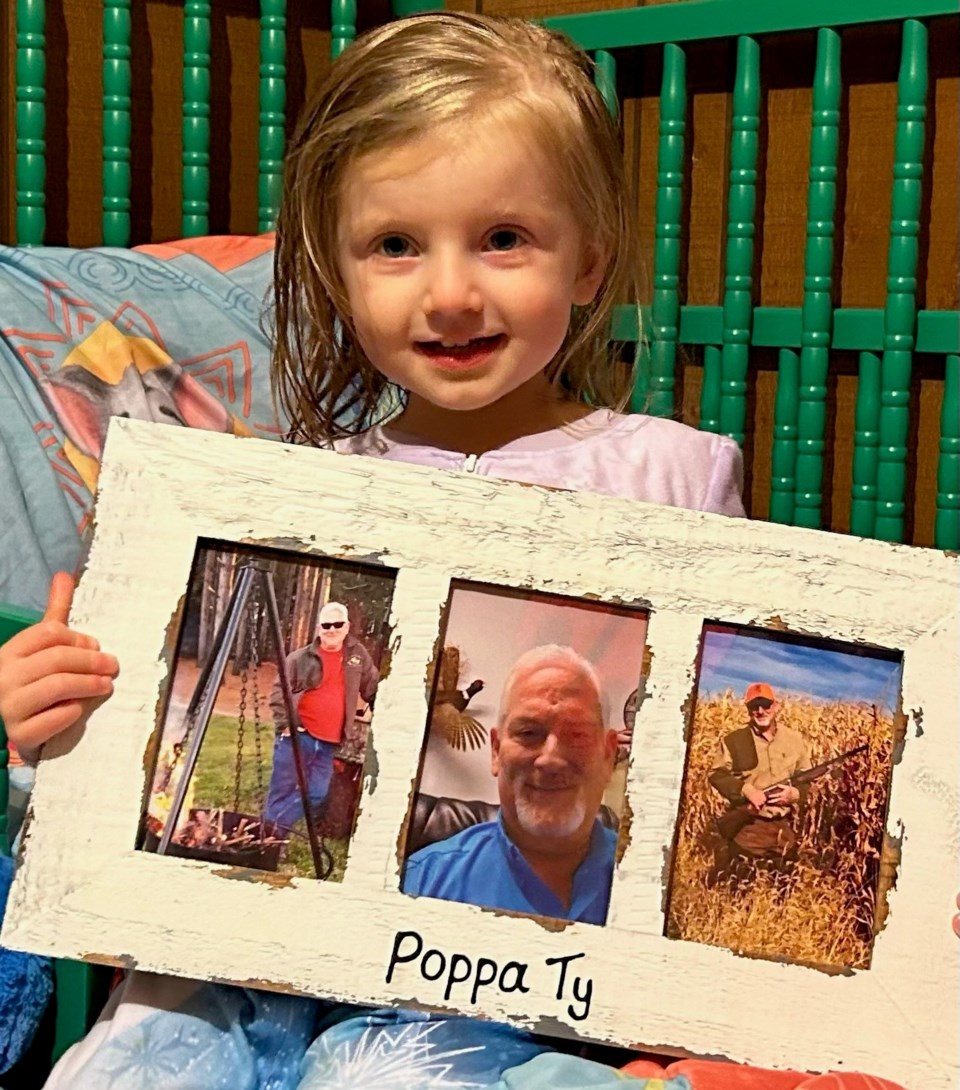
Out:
{"x": 50, "y": 676}
{"x": 956, "y": 919}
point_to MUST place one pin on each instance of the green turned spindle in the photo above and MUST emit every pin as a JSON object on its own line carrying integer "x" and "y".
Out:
{"x": 783, "y": 455}
{"x": 946, "y": 534}
{"x": 196, "y": 118}
{"x": 605, "y": 77}
{"x": 817, "y": 310}
{"x": 31, "y": 166}
{"x": 665, "y": 312}
{"x": 866, "y": 437}
{"x": 710, "y": 390}
{"x": 900, "y": 312}
{"x": 741, "y": 208}
{"x": 273, "y": 99}
{"x": 116, "y": 122}
{"x": 343, "y": 25}
{"x": 402, "y": 8}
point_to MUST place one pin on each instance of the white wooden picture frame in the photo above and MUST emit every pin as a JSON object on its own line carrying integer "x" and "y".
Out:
{"x": 83, "y": 891}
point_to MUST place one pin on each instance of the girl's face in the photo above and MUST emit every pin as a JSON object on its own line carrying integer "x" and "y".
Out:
{"x": 461, "y": 262}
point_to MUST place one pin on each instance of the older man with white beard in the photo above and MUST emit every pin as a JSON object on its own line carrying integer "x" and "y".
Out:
{"x": 547, "y": 853}
{"x": 330, "y": 680}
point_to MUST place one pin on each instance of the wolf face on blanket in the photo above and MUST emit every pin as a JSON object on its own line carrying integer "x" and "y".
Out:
{"x": 113, "y": 374}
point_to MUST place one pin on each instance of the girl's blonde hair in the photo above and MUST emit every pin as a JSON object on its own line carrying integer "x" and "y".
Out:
{"x": 396, "y": 84}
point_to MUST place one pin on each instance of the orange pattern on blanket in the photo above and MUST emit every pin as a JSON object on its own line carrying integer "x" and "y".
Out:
{"x": 223, "y": 252}
{"x": 718, "y": 1075}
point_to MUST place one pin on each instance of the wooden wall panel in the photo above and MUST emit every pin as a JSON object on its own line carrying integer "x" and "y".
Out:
{"x": 786, "y": 70}
{"x": 942, "y": 281}
{"x": 532, "y": 9}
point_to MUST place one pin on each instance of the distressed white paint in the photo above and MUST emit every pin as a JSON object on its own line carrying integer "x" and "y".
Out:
{"x": 83, "y": 891}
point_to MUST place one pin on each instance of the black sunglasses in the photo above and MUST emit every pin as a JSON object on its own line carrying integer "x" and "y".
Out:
{"x": 760, "y": 705}
{"x": 332, "y": 624}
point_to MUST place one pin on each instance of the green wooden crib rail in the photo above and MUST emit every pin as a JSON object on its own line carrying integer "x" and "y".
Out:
{"x": 885, "y": 339}
{"x": 117, "y": 130}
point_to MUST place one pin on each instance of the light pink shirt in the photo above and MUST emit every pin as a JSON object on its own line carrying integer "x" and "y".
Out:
{"x": 632, "y": 456}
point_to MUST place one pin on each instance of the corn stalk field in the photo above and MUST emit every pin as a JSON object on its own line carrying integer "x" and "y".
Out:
{"x": 826, "y": 911}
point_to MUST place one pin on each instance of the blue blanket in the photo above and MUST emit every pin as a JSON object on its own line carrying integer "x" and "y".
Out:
{"x": 170, "y": 1034}
{"x": 168, "y": 333}
{"x": 26, "y": 983}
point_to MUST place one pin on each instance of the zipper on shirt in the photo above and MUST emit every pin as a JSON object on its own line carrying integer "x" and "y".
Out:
{"x": 470, "y": 463}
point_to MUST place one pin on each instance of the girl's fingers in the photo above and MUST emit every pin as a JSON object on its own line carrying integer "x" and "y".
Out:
{"x": 42, "y": 635}
{"x": 59, "y": 598}
{"x": 60, "y": 660}
{"x": 31, "y": 734}
{"x": 31, "y": 703}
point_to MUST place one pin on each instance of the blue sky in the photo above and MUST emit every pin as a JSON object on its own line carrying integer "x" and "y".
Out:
{"x": 731, "y": 660}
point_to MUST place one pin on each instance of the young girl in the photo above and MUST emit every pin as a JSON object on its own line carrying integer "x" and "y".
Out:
{"x": 456, "y": 227}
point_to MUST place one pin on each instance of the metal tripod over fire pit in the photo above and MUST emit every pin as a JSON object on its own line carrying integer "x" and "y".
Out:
{"x": 200, "y": 708}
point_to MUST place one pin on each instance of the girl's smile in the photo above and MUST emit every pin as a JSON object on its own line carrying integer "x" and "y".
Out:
{"x": 461, "y": 261}
{"x": 460, "y": 357}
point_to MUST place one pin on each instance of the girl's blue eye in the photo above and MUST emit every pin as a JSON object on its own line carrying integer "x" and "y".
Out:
{"x": 503, "y": 239}
{"x": 394, "y": 246}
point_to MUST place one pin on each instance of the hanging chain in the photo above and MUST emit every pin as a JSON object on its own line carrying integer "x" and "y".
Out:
{"x": 180, "y": 748}
{"x": 255, "y": 659}
{"x": 241, "y": 723}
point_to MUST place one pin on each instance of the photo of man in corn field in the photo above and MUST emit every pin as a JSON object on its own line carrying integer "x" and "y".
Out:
{"x": 780, "y": 848}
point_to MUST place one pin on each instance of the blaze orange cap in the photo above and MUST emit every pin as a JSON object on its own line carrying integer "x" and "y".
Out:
{"x": 759, "y": 690}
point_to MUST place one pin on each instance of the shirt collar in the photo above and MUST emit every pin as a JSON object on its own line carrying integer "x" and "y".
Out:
{"x": 590, "y": 879}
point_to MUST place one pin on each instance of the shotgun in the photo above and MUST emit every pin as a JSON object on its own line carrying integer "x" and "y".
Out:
{"x": 739, "y": 814}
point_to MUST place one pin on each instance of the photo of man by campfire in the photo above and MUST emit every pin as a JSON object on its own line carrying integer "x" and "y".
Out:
{"x": 259, "y": 761}
{"x": 780, "y": 847}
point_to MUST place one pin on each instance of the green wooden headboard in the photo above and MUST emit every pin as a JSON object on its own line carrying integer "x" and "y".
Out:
{"x": 885, "y": 339}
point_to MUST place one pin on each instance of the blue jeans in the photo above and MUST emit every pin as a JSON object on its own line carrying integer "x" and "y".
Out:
{"x": 284, "y": 802}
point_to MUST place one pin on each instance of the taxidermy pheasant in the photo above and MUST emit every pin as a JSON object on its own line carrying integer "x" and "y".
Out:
{"x": 448, "y": 717}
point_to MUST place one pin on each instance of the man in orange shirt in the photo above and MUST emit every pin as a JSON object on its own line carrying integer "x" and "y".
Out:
{"x": 331, "y": 680}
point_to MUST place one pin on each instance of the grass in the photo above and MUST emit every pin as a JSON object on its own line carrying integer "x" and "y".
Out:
{"x": 215, "y": 786}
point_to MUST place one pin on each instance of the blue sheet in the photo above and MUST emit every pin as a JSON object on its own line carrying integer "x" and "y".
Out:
{"x": 85, "y": 333}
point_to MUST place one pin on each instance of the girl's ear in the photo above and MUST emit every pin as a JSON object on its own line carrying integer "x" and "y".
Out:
{"x": 593, "y": 266}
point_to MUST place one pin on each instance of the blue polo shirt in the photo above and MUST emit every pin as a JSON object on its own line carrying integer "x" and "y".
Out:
{"x": 482, "y": 866}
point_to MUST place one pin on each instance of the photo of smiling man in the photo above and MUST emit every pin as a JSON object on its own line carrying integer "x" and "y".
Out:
{"x": 547, "y": 845}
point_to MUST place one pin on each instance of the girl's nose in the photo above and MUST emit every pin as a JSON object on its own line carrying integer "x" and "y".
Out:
{"x": 451, "y": 288}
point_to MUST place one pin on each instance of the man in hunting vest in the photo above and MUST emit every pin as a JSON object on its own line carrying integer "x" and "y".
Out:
{"x": 752, "y": 770}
